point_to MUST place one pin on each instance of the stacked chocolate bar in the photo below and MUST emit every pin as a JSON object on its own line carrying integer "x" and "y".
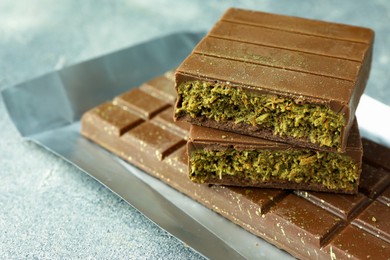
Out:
{"x": 278, "y": 96}
{"x": 138, "y": 126}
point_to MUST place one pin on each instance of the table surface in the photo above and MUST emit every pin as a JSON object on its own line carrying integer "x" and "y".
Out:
{"x": 49, "y": 208}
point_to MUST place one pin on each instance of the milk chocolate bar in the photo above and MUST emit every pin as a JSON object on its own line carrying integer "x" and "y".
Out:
{"x": 308, "y": 225}
{"x": 277, "y": 77}
{"x": 220, "y": 157}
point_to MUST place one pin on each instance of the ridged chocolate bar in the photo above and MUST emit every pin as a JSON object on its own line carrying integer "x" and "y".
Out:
{"x": 138, "y": 127}
{"x": 221, "y": 157}
{"x": 276, "y": 77}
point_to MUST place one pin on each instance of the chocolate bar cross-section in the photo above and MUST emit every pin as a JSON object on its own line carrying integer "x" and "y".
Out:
{"x": 221, "y": 157}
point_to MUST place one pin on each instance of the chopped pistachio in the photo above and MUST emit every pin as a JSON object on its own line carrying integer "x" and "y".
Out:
{"x": 283, "y": 116}
{"x": 332, "y": 170}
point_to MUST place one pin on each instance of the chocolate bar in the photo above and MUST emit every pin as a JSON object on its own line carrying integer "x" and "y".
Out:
{"x": 276, "y": 77}
{"x": 220, "y": 157}
{"x": 308, "y": 225}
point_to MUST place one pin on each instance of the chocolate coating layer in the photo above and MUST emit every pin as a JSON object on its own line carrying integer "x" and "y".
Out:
{"x": 308, "y": 61}
{"x": 308, "y": 225}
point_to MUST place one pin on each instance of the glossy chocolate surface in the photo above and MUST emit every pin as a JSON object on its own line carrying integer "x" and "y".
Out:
{"x": 306, "y": 60}
{"x": 308, "y": 225}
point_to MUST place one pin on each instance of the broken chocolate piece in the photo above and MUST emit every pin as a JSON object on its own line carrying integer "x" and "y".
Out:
{"x": 277, "y": 77}
{"x": 308, "y": 225}
{"x": 220, "y": 157}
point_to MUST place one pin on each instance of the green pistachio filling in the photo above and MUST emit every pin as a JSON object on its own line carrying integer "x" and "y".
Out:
{"x": 331, "y": 170}
{"x": 283, "y": 116}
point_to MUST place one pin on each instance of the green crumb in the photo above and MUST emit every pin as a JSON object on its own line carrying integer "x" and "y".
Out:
{"x": 332, "y": 170}
{"x": 282, "y": 116}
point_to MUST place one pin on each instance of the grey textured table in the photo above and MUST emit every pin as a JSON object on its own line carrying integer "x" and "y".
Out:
{"x": 50, "y": 209}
